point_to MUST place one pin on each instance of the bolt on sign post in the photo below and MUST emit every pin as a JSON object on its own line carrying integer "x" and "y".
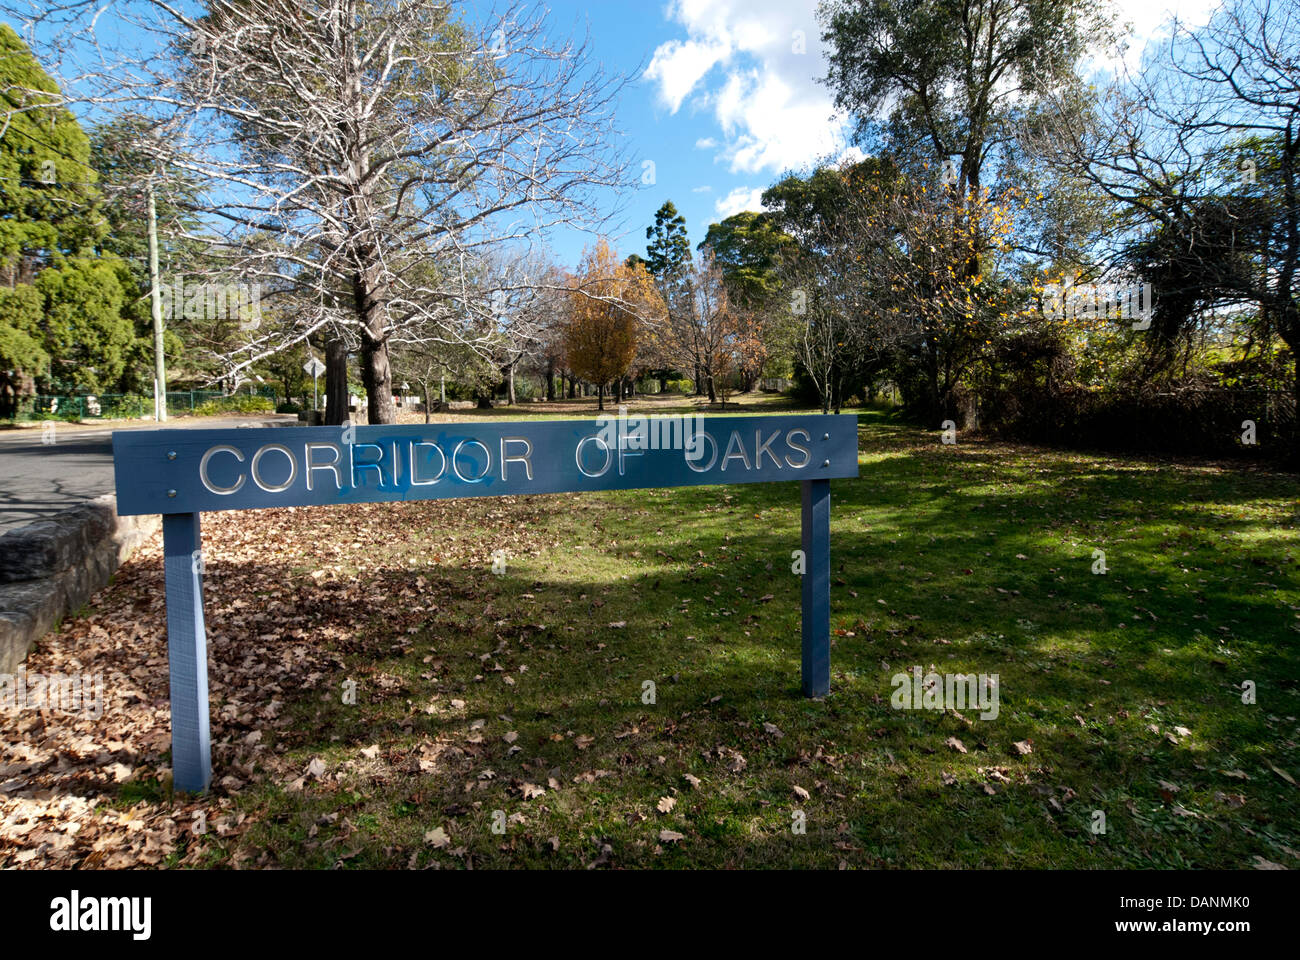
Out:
{"x": 182, "y": 473}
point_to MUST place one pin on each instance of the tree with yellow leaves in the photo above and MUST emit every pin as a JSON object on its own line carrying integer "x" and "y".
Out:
{"x": 609, "y": 304}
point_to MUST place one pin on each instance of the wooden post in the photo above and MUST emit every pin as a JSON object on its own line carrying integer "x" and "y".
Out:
{"x": 816, "y": 524}
{"x": 187, "y": 653}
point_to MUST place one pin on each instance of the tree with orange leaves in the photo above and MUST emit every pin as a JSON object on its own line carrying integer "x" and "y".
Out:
{"x": 609, "y": 303}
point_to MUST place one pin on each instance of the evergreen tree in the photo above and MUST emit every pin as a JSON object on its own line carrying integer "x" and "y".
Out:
{"x": 669, "y": 251}
{"x": 48, "y": 195}
{"x": 67, "y": 317}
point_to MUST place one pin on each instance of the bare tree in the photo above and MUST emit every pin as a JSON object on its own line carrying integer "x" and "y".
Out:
{"x": 364, "y": 153}
{"x": 1199, "y": 158}
{"x": 529, "y": 302}
{"x": 691, "y": 333}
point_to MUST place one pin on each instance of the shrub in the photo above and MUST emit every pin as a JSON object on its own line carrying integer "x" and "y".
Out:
{"x": 236, "y": 404}
{"x": 125, "y": 407}
{"x": 288, "y": 408}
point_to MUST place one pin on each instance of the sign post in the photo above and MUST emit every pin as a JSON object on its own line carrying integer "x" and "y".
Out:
{"x": 314, "y": 368}
{"x": 182, "y": 473}
{"x": 815, "y": 527}
{"x": 187, "y": 652}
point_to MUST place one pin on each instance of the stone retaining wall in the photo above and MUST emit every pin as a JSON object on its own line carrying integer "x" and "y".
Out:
{"x": 52, "y": 567}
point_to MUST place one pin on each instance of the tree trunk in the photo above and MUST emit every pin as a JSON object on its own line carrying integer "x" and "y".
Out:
{"x": 424, "y": 384}
{"x": 376, "y": 371}
{"x": 1294, "y": 344}
{"x": 600, "y": 392}
{"x": 932, "y": 377}
{"x": 336, "y": 383}
{"x": 377, "y": 376}
{"x": 699, "y": 382}
{"x": 510, "y": 380}
{"x": 550, "y": 379}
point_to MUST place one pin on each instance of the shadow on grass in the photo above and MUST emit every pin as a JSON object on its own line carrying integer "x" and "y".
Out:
{"x": 1120, "y": 684}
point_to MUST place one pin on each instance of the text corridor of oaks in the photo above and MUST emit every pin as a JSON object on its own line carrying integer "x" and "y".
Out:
{"x": 182, "y": 473}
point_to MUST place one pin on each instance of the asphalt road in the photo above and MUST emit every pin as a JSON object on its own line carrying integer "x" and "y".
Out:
{"x": 37, "y": 479}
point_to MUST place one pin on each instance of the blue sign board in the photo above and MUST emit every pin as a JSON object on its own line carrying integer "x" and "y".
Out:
{"x": 183, "y": 473}
{"x": 191, "y": 471}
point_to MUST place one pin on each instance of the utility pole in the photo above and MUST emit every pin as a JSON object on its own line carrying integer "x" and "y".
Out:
{"x": 155, "y": 307}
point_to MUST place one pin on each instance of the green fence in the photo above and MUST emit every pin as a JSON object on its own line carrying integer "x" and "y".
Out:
{"x": 121, "y": 406}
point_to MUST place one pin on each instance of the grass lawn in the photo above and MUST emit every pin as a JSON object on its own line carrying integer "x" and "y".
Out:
{"x": 500, "y": 720}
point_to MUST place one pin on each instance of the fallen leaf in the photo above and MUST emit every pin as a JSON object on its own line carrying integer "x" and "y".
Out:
{"x": 1282, "y": 773}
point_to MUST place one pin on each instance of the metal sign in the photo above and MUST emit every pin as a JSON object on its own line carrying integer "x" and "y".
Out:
{"x": 183, "y": 473}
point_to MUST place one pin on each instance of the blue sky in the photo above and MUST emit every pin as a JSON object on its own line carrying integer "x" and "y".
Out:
{"x": 730, "y": 98}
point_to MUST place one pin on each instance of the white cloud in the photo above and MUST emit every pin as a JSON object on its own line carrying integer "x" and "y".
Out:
{"x": 741, "y": 60}
{"x": 755, "y": 64}
{"x": 679, "y": 66}
{"x": 739, "y": 200}
{"x": 850, "y": 156}
{"x": 1151, "y": 20}
{"x": 704, "y": 189}
{"x": 1150, "y": 24}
